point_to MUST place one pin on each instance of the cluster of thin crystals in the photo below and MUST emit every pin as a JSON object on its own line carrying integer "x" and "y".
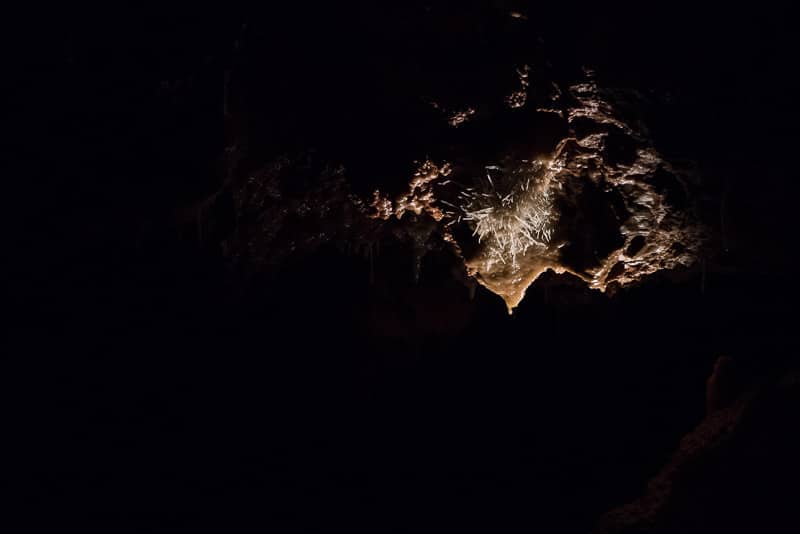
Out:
{"x": 510, "y": 213}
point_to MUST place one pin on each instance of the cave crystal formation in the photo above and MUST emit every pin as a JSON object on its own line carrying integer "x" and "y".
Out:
{"x": 602, "y": 204}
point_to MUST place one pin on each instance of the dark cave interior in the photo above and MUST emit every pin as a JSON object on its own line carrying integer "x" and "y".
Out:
{"x": 152, "y": 385}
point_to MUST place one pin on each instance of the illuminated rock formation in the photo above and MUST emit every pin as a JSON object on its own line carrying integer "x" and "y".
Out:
{"x": 603, "y": 206}
{"x": 600, "y": 203}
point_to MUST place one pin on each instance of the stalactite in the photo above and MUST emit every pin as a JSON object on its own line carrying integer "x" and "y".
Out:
{"x": 371, "y": 266}
{"x": 722, "y": 219}
{"x": 703, "y": 276}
